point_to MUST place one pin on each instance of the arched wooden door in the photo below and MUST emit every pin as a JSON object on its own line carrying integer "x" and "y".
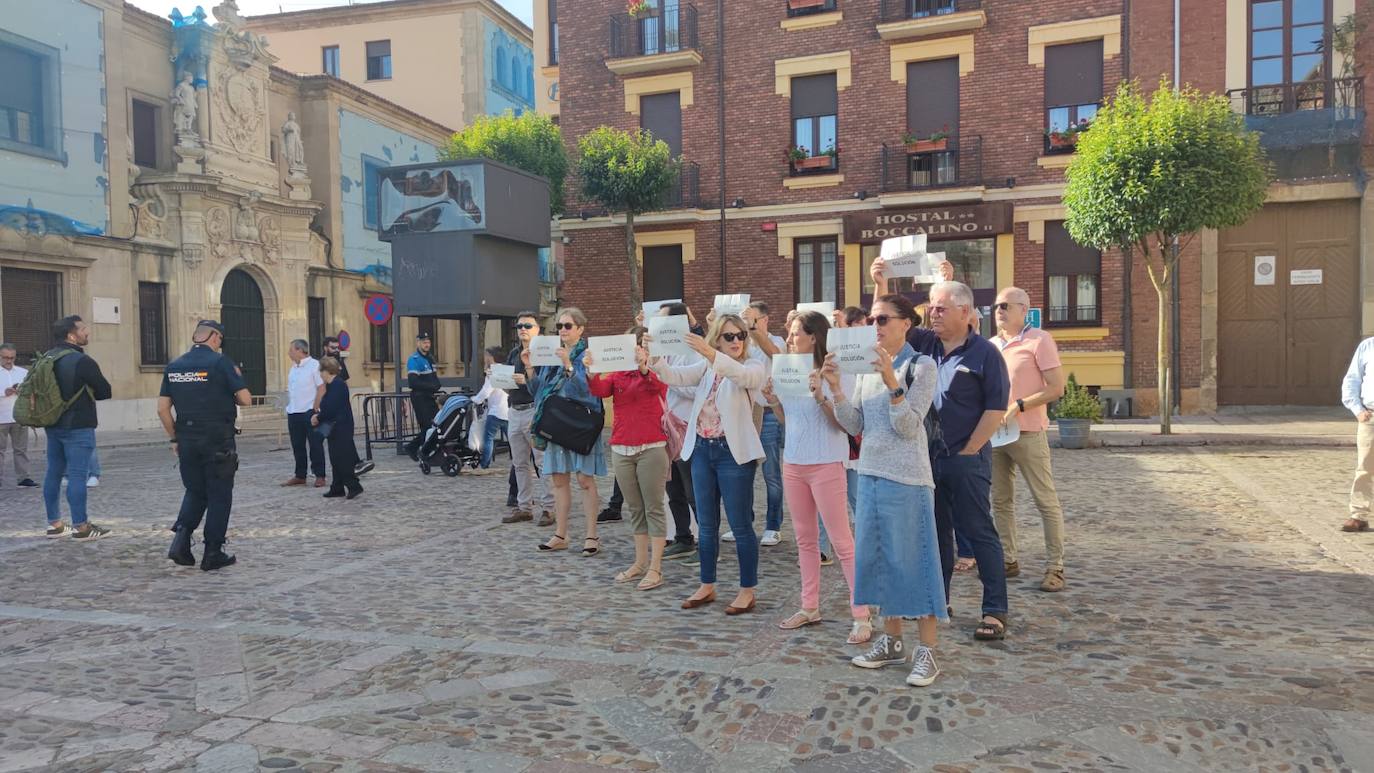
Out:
{"x": 244, "y": 329}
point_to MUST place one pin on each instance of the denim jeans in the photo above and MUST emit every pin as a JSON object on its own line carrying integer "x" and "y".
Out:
{"x": 772, "y": 438}
{"x": 716, "y": 476}
{"x": 302, "y": 438}
{"x": 94, "y": 469}
{"x": 69, "y": 453}
{"x": 495, "y": 427}
{"x": 963, "y": 489}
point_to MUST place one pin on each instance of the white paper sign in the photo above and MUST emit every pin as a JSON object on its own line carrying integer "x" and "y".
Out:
{"x": 933, "y": 261}
{"x": 905, "y": 256}
{"x": 668, "y": 336}
{"x": 1264, "y": 269}
{"x": 503, "y": 376}
{"x": 854, "y": 348}
{"x": 792, "y": 374}
{"x": 544, "y": 351}
{"x": 824, "y": 308}
{"x": 1007, "y": 433}
{"x": 611, "y": 354}
{"x": 1305, "y": 276}
{"x": 651, "y": 307}
{"x": 731, "y": 304}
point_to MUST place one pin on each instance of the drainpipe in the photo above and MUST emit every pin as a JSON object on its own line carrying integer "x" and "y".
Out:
{"x": 1128, "y": 347}
{"x": 1176, "y": 363}
{"x": 720, "y": 128}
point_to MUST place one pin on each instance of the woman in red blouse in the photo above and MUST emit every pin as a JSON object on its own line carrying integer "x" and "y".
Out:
{"x": 639, "y": 456}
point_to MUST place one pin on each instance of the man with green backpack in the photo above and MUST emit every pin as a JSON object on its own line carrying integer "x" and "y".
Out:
{"x": 59, "y": 395}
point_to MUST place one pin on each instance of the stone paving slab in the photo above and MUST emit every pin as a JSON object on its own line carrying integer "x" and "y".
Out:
{"x": 1213, "y": 621}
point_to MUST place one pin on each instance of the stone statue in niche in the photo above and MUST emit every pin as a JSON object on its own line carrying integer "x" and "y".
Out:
{"x": 269, "y": 235}
{"x": 184, "y": 109}
{"x": 217, "y": 229}
{"x": 293, "y": 150}
{"x": 246, "y": 223}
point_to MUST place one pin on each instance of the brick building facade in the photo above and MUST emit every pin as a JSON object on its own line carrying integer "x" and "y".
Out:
{"x": 865, "y": 77}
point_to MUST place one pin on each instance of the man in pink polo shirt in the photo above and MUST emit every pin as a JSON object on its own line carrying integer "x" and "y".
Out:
{"x": 1036, "y": 381}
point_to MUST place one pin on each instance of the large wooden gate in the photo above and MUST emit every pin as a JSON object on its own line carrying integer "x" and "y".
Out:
{"x": 244, "y": 329}
{"x": 1288, "y": 304}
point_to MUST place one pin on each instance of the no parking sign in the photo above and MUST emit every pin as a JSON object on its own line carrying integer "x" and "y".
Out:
{"x": 377, "y": 308}
{"x": 344, "y": 340}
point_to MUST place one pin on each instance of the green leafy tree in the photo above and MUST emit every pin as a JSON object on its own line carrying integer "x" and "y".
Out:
{"x": 1150, "y": 173}
{"x": 529, "y": 141}
{"x": 628, "y": 172}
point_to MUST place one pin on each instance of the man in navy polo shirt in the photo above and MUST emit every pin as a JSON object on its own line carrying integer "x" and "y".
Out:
{"x": 970, "y": 400}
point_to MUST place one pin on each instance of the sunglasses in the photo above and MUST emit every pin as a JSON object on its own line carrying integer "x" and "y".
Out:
{"x": 525, "y": 326}
{"x": 880, "y": 320}
{"x": 732, "y": 337}
{"x": 564, "y": 326}
{"x": 1003, "y": 306}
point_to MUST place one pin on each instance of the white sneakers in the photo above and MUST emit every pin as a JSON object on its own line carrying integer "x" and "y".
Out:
{"x": 770, "y": 538}
{"x": 727, "y": 536}
{"x": 92, "y": 482}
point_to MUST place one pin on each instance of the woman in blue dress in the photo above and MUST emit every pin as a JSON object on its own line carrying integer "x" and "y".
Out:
{"x": 569, "y": 380}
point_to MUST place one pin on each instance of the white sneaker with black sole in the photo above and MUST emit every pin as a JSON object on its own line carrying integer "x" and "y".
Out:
{"x": 91, "y": 533}
{"x": 923, "y": 668}
{"x": 886, "y": 651}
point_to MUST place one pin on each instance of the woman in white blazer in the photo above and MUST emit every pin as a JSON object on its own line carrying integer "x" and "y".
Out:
{"x": 723, "y": 447}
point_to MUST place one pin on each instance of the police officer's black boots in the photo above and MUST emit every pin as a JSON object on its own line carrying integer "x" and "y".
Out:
{"x": 215, "y": 558}
{"x": 180, "y": 552}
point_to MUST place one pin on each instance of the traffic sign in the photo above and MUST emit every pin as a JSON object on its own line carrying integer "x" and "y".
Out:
{"x": 1033, "y": 318}
{"x": 378, "y": 310}
{"x": 344, "y": 340}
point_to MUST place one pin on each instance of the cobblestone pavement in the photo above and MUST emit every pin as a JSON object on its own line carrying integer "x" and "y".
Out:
{"x": 1214, "y": 620}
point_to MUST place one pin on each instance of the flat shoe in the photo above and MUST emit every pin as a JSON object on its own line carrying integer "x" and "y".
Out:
{"x": 550, "y": 546}
{"x": 633, "y": 573}
{"x": 799, "y": 619}
{"x": 1355, "y": 525}
{"x": 734, "y": 610}
{"x": 647, "y": 584}
{"x": 1053, "y": 582}
{"x": 701, "y": 602}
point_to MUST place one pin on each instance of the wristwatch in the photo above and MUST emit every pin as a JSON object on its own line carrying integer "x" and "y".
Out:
{"x": 897, "y": 393}
{"x": 1021, "y": 406}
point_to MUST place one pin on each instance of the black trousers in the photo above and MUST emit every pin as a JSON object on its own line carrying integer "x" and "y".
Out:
{"x": 425, "y": 409}
{"x": 208, "y": 462}
{"x": 343, "y": 457}
{"x": 680, "y": 499}
{"x": 298, "y": 424}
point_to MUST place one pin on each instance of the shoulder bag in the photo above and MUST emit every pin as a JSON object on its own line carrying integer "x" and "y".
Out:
{"x": 573, "y": 425}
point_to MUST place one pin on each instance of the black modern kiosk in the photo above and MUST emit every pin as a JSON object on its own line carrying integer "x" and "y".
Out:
{"x": 465, "y": 239}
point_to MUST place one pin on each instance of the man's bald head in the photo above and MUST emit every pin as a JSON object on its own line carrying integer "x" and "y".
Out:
{"x": 1012, "y": 318}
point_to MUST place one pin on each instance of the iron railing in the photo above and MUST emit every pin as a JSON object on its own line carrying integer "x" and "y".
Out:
{"x": 666, "y": 28}
{"x": 388, "y": 420}
{"x": 902, "y": 10}
{"x": 685, "y": 193}
{"x": 959, "y": 162}
{"x": 808, "y": 7}
{"x": 1332, "y": 94}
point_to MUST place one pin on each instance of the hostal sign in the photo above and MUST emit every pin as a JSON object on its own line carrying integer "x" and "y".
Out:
{"x": 969, "y": 221}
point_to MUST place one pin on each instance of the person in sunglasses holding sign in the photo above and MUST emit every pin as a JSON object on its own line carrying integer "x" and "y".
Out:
{"x": 896, "y": 552}
{"x": 724, "y": 448}
{"x": 569, "y": 381}
{"x": 525, "y": 458}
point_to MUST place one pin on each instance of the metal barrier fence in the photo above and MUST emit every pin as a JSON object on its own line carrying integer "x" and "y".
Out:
{"x": 389, "y": 420}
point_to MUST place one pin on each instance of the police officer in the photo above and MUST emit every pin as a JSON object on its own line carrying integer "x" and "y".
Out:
{"x": 424, "y": 384}
{"x": 203, "y": 387}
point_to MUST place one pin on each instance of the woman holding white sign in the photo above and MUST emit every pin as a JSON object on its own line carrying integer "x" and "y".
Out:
{"x": 569, "y": 382}
{"x": 639, "y": 453}
{"x": 813, "y": 474}
{"x": 724, "y": 448}
{"x": 897, "y": 554}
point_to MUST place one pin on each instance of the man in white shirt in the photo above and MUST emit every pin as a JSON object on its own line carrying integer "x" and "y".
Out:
{"x": 1357, "y": 395}
{"x": 11, "y": 432}
{"x": 304, "y": 388}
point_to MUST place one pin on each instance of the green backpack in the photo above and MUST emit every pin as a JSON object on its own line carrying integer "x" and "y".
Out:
{"x": 40, "y": 402}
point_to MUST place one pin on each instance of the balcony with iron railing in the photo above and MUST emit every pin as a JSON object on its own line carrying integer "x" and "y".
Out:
{"x": 1312, "y": 129}
{"x": 952, "y": 162}
{"x": 900, "y": 19}
{"x": 686, "y": 192}
{"x": 663, "y": 37}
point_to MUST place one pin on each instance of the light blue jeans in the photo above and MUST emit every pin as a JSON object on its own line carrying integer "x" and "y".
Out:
{"x": 69, "y": 452}
{"x": 772, "y": 438}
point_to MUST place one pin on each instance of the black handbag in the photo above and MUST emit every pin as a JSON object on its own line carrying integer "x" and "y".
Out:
{"x": 570, "y": 424}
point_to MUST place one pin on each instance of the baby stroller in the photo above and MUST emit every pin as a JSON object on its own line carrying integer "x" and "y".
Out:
{"x": 455, "y": 438}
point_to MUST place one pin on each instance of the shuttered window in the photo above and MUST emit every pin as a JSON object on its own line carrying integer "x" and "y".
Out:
{"x": 932, "y": 97}
{"x": 143, "y": 124}
{"x": 379, "y": 60}
{"x": 1073, "y": 84}
{"x": 661, "y": 116}
{"x": 30, "y": 103}
{"x": 314, "y": 314}
{"x": 1072, "y": 278}
{"x": 663, "y": 272}
{"x": 815, "y": 105}
{"x": 152, "y": 323}
{"x": 33, "y": 302}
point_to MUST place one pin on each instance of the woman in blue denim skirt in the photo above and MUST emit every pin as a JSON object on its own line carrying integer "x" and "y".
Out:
{"x": 723, "y": 446}
{"x": 569, "y": 380}
{"x": 896, "y": 552}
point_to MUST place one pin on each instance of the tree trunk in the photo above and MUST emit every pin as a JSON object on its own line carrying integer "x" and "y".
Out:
{"x": 1165, "y": 290}
{"x": 632, "y": 261}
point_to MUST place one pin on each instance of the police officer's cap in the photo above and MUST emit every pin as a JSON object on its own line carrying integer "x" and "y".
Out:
{"x": 213, "y": 325}
{"x": 422, "y": 337}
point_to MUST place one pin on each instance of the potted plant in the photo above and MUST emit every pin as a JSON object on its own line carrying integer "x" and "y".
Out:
{"x": 1067, "y": 138}
{"x": 637, "y": 8}
{"x": 803, "y": 5}
{"x": 800, "y": 160}
{"x": 934, "y": 143}
{"x": 1075, "y": 414}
